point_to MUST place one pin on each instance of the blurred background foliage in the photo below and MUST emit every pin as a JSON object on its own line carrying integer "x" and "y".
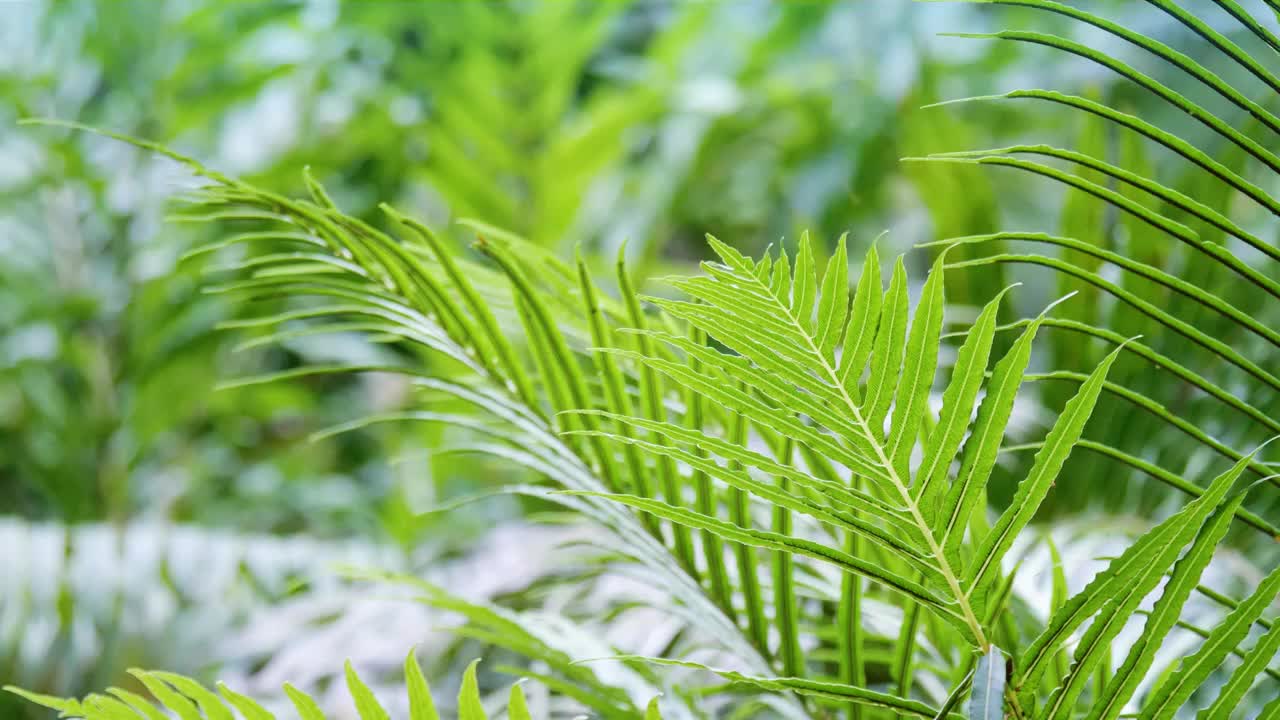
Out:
{"x": 587, "y": 125}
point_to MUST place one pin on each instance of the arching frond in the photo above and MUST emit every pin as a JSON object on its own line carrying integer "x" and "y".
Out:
{"x": 1165, "y": 229}
{"x": 763, "y": 447}
{"x": 1180, "y": 250}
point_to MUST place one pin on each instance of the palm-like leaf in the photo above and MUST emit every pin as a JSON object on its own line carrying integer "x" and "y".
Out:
{"x": 451, "y": 319}
{"x": 1188, "y": 262}
{"x": 919, "y": 526}
{"x": 779, "y": 378}
{"x": 1190, "y": 265}
{"x": 772, "y": 416}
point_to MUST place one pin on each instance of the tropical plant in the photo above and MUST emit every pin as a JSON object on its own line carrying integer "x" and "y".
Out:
{"x": 783, "y": 449}
{"x": 189, "y": 699}
{"x": 1166, "y": 230}
{"x": 763, "y": 451}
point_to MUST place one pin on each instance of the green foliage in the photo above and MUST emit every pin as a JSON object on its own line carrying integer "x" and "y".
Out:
{"x": 110, "y": 355}
{"x": 759, "y": 445}
{"x": 190, "y": 700}
{"x": 512, "y": 142}
{"x": 1163, "y": 234}
{"x": 775, "y": 369}
{"x": 84, "y": 602}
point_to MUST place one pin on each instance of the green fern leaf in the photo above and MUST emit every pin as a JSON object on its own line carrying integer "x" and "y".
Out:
{"x": 1264, "y": 650}
{"x": 886, "y": 357}
{"x": 1186, "y": 574}
{"x": 805, "y": 292}
{"x": 1142, "y": 564}
{"x": 366, "y": 704}
{"x": 246, "y": 706}
{"x": 469, "y": 705}
{"x": 517, "y": 708}
{"x": 982, "y": 447}
{"x": 1178, "y": 687}
{"x": 833, "y": 308}
{"x": 957, "y": 408}
{"x": 209, "y": 703}
{"x": 66, "y": 707}
{"x": 920, "y": 363}
{"x": 168, "y": 697}
{"x": 421, "y": 705}
{"x": 304, "y": 703}
{"x": 148, "y": 710}
{"x": 1031, "y": 491}
{"x": 864, "y": 319}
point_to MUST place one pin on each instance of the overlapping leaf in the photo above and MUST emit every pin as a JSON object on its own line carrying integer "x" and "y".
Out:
{"x": 190, "y": 700}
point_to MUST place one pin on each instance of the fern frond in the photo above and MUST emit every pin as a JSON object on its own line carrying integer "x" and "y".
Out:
{"x": 766, "y": 409}
{"x": 455, "y": 344}
{"x": 1207, "y": 273}
{"x": 1193, "y": 266}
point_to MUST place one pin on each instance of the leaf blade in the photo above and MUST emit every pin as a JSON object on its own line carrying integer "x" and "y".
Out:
{"x": 986, "y": 702}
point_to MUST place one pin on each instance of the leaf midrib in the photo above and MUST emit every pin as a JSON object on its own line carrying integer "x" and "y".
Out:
{"x": 944, "y": 566}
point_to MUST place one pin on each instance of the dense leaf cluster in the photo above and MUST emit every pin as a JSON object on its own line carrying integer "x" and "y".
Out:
{"x": 760, "y": 446}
